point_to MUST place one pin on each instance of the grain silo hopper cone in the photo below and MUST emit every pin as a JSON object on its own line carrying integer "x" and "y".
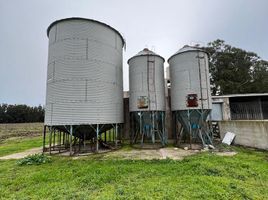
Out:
{"x": 195, "y": 126}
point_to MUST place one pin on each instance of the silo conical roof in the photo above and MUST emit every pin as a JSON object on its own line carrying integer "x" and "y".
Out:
{"x": 145, "y": 52}
{"x": 187, "y": 48}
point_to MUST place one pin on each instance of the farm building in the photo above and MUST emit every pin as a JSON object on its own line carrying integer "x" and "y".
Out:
{"x": 246, "y": 115}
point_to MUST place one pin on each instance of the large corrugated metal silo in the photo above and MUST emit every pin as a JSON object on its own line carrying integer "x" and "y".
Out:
{"x": 147, "y": 97}
{"x": 190, "y": 92}
{"x": 84, "y": 77}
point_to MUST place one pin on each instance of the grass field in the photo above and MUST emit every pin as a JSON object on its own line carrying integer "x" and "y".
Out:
{"x": 19, "y": 137}
{"x": 19, "y": 144}
{"x": 201, "y": 176}
{"x": 20, "y": 130}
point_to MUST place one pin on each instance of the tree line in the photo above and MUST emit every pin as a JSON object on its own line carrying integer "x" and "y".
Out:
{"x": 21, "y": 113}
{"x": 235, "y": 71}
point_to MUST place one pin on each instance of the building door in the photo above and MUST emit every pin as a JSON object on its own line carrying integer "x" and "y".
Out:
{"x": 216, "y": 113}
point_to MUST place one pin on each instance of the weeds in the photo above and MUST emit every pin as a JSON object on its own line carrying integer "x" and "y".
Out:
{"x": 35, "y": 159}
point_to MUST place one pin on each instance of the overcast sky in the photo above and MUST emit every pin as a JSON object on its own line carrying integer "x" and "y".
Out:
{"x": 164, "y": 26}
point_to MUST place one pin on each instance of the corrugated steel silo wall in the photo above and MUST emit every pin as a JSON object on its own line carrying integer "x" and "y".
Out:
{"x": 84, "y": 76}
{"x": 186, "y": 71}
{"x": 138, "y": 82}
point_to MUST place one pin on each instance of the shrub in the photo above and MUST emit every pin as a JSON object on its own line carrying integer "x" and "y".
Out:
{"x": 35, "y": 159}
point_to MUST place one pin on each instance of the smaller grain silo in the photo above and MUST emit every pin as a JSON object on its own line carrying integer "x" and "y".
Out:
{"x": 147, "y": 98}
{"x": 190, "y": 94}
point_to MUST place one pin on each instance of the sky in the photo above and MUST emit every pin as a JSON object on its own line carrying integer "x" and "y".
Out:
{"x": 162, "y": 26}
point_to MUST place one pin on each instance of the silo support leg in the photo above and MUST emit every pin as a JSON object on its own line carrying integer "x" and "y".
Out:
{"x": 97, "y": 138}
{"x": 175, "y": 125}
{"x": 44, "y": 139}
{"x": 105, "y": 139}
{"x": 163, "y": 127}
{"x": 161, "y": 137}
{"x": 190, "y": 128}
{"x": 201, "y": 137}
{"x": 71, "y": 135}
{"x": 54, "y": 143}
{"x": 113, "y": 134}
{"x": 63, "y": 138}
{"x": 141, "y": 132}
{"x": 209, "y": 138}
{"x": 179, "y": 137}
{"x": 153, "y": 129}
{"x": 142, "y": 136}
{"x": 116, "y": 133}
{"x": 153, "y": 137}
{"x": 50, "y": 139}
{"x": 84, "y": 141}
{"x": 59, "y": 144}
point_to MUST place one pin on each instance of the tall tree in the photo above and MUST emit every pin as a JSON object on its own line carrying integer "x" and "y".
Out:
{"x": 234, "y": 70}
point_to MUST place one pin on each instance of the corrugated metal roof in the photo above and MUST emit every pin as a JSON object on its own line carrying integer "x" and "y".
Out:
{"x": 241, "y": 95}
{"x": 146, "y": 52}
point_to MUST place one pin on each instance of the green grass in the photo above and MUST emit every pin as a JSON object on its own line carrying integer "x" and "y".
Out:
{"x": 202, "y": 176}
{"x": 18, "y": 144}
{"x": 18, "y": 137}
